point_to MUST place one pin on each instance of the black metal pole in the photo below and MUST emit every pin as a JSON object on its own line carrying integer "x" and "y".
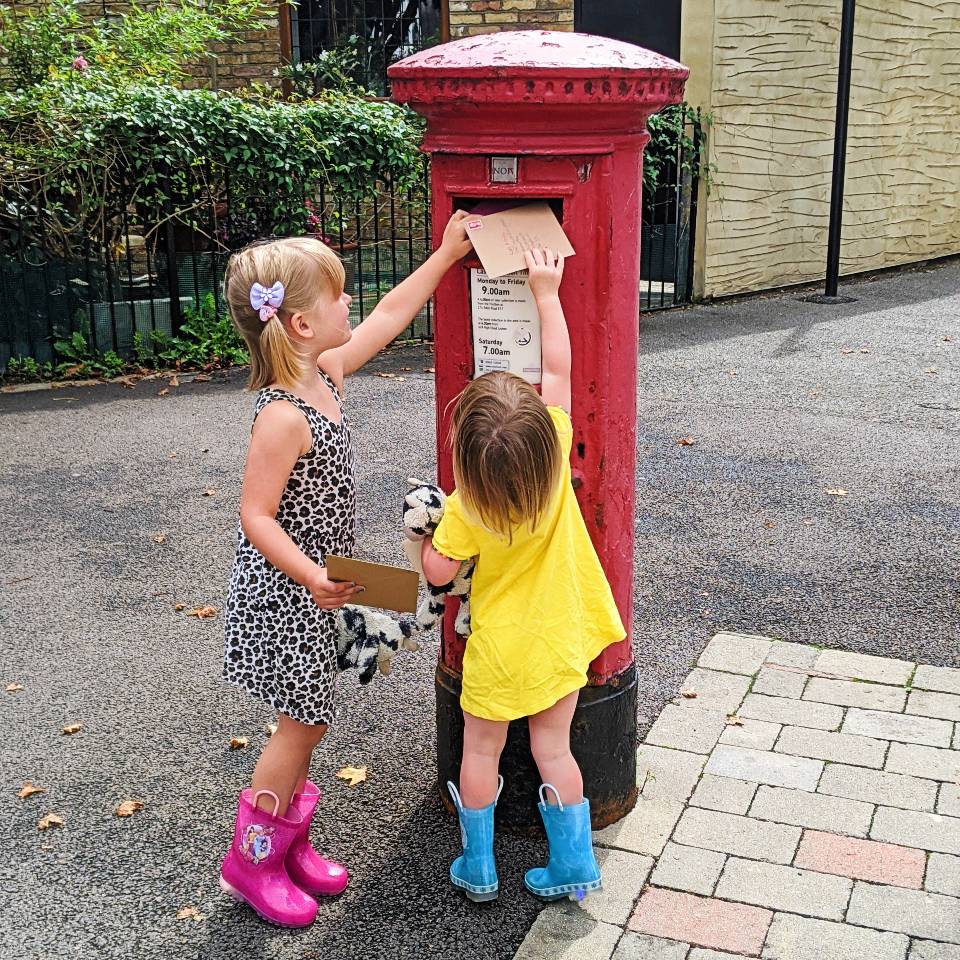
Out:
{"x": 840, "y": 147}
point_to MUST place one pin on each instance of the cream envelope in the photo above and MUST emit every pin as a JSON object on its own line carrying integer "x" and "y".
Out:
{"x": 500, "y": 239}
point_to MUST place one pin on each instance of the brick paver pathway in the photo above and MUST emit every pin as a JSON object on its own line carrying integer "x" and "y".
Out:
{"x": 797, "y": 804}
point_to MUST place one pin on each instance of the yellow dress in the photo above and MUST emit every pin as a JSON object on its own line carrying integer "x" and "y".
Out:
{"x": 540, "y": 606}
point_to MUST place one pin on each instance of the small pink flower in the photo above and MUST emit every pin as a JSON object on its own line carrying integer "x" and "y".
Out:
{"x": 80, "y": 63}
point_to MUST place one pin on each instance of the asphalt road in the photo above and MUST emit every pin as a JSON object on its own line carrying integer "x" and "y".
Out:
{"x": 785, "y": 401}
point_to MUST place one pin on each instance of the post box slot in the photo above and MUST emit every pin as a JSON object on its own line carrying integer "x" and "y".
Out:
{"x": 468, "y": 203}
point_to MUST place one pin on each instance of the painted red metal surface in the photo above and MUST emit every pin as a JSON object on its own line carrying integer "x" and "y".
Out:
{"x": 573, "y": 109}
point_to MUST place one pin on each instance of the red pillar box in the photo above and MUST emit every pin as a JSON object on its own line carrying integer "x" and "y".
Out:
{"x": 559, "y": 117}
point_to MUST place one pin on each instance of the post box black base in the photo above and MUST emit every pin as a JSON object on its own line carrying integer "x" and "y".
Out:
{"x": 603, "y": 739}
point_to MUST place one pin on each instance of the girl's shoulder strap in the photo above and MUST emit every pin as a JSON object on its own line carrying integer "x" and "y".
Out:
{"x": 269, "y": 394}
{"x": 328, "y": 380}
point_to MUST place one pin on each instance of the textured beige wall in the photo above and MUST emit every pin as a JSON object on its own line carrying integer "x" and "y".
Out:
{"x": 773, "y": 96}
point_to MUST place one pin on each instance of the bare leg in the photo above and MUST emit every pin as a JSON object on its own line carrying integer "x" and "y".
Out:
{"x": 304, "y": 775}
{"x": 284, "y": 761}
{"x": 483, "y": 742}
{"x": 550, "y": 744}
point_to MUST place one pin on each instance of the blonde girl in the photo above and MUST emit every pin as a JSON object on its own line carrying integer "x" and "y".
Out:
{"x": 298, "y": 503}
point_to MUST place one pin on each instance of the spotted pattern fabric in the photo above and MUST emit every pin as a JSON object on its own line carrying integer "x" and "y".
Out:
{"x": 280, "y": 646}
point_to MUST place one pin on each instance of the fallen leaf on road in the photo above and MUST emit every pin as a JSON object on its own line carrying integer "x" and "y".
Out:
{"x": 50, "y": 820}
{"x": 163, "y": 392}
{"x": 808, "y": 521}
{"x": 688, "y": 694}
{"x": 353, "y": 775}
{"x": 846, "y": 350}
{"x": 238, "y": 743}
{"x": 686, "y": 441}
{"x": 179, "y": 606}
{"x": 948, "y": 339}
{"x": 271, "y": 729}
{"x": 13, "y": 688}
{"x": 202, "y": 613}
{"x": 769, "y": 524}
{"x": 837, "y": 492}
{"x": 173, "y": 456}
{"x": 160, "y": 538}
{"x": 733, "y": 720}
{"x": 405, "y": 369}
{"x": 864, "y": 350}
{"x": 201, "y": 378}
{"x": 429, "y": 369}
{"x": 128, "y": 808}
{"x": 29, "y": 789}
{"x": 71, "y": 728}
{"x": 210, "y": 491}
{"x": 190, "y": 913}
{"x": 401, "y": 379}
{"x": 931, "y": 370}
{"x": 174, "y": 381}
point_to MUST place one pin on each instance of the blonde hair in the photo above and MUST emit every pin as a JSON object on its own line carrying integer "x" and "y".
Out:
{"x": 506, "y": 453}
{"x": 308, "y": 269}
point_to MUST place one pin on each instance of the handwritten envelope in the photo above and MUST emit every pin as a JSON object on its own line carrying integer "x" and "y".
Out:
{"x": 392, "y": 588}
{"x": 501, "y": 238}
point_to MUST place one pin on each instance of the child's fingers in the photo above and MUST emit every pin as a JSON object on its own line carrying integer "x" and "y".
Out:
{"x": 528, "y": 259}
{"x": 560, "y": 264}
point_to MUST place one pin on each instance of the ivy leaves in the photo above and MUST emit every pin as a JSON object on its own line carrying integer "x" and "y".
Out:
{"x": 94, "y": 151}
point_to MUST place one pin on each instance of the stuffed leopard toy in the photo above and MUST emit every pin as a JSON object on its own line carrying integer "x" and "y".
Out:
{"x": 369, "y": 639}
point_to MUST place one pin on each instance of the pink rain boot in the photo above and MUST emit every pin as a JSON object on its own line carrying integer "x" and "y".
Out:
{"x": 307, "y": 869}
{"x": 253, "y": 871}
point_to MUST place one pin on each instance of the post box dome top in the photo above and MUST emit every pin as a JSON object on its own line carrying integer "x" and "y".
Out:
{"x": 487, "y": 67}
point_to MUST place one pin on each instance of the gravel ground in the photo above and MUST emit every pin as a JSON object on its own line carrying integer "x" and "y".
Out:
{"x": 785, "y": 401}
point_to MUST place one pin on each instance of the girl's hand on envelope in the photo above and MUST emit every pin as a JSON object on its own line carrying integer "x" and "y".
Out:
{"x": 327, "y": 593}
{"x": 546, "y": 272}
{"x": 455, "y": 243}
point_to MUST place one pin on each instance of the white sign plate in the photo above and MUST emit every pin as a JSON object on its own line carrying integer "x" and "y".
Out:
{"x": 503, "y": 169}
{"x": 506, "y": 326}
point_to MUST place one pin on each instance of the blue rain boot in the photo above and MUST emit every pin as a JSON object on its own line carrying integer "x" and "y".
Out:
{"x": 475, "y": 871}
{"x": 572, "y": 870}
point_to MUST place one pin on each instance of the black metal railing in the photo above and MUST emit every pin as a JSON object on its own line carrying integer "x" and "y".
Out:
{"x": 668, "y": 229}
{"x": 140, "y": 274}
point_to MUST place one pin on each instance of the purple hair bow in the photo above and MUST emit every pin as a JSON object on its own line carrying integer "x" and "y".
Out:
{"x": 266, "y": 300}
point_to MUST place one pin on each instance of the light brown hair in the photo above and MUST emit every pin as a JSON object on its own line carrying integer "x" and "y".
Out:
{"x": 307, "y": 269}
{"x": 506, "y": 453}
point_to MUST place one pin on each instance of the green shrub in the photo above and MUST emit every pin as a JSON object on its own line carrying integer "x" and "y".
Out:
{"x": 671, "y": 141}
{"x": 207, "y": 340}
{"x": 82, "y": 147}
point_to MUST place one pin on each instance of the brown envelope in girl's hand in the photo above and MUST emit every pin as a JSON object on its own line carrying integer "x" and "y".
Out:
{"x": 392, "y": 588}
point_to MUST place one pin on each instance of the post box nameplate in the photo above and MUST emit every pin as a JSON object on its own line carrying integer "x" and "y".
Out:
{"x": 503, "y": 169}
{"x": 506, "y": 326}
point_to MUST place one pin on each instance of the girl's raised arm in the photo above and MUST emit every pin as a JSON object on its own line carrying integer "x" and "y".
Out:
{"x": 546, "y": 272}
{"x": 395, "y": 312}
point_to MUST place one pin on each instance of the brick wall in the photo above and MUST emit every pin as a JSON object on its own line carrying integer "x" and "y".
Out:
{"x": 236, "y": 65}
{"x": 253, "y": 58}
{"x": 471, "y": 17}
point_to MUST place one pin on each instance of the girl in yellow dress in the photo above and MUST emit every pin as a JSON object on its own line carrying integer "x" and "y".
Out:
{"x": 540, "y": 606}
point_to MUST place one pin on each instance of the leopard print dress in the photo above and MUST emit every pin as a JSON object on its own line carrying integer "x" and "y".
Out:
{"x": 280, "y": 646}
